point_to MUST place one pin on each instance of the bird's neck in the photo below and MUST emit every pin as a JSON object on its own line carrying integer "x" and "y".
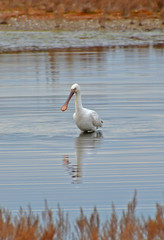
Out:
{"x": 78, "y": 102}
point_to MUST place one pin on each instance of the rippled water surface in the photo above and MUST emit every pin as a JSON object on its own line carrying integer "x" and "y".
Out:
{"x": 44, "y": 156}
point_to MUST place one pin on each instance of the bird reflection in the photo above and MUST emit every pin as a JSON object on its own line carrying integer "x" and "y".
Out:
{"x": 85, "y": 143}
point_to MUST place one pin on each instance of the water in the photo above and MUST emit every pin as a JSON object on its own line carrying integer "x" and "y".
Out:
{"x": 44, "y": 156}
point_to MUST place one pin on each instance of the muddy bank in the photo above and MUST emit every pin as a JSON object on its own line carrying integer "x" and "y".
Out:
{"x": 86, "y": 22}
{"x": 17, "y": 41}
{"x": 38, "y": 34}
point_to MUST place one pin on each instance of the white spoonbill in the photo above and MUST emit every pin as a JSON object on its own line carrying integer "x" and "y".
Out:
{"x": 86, "y": 120}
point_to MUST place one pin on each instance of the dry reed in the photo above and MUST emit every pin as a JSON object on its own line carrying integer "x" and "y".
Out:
{"x": 84, "y": 6}
{"x": 29, "y": 226}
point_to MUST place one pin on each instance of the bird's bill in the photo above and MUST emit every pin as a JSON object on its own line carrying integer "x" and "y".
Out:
{"x": 64, "y": 107}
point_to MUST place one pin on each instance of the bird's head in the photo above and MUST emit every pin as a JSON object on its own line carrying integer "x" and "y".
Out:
{"x": 74, "y": 89}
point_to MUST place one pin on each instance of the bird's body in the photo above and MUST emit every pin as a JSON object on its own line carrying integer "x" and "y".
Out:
{"x": 86, "y": 120}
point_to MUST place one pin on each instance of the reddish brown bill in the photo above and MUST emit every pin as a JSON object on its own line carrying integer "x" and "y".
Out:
{"x": 64, "y": 107}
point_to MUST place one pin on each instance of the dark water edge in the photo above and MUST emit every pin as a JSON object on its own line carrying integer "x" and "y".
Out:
{"x": 26, "y": 41}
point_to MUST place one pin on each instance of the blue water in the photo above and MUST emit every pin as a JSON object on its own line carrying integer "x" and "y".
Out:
{"x": 44, "y": 156}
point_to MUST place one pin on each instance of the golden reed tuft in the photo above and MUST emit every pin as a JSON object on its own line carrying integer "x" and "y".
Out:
{"x": 29, "y": 226}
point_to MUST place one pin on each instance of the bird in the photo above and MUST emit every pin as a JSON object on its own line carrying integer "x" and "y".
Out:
{"x": 86, "y": 120}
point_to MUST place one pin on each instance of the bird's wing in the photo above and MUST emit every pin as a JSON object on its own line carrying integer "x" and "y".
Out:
{"x": 96, "y": 119}
{"x": 74, "y": 116}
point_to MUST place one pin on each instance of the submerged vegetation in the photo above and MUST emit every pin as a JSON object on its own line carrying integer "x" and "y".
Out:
{"x": 28, "y": 226}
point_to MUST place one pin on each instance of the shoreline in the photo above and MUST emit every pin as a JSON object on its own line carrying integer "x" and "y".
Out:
{"x": 45, "y": 33}
{"x": 75, "y": 23}
{"x": 37, "y": 41}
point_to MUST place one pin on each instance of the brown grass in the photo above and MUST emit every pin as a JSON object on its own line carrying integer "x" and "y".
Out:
{"x": 28, "y": 226}
{"x": 102, "y": 7}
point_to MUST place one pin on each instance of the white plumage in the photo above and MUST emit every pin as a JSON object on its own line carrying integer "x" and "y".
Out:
{"x": 86, "y": 120}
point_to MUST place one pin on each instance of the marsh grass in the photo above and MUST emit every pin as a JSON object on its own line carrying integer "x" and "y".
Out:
{"x": 26, "y": 225}
{"x": 125, "y": 7}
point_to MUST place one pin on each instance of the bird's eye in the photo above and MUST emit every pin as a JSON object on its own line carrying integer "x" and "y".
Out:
{"x": 75, "y": 88}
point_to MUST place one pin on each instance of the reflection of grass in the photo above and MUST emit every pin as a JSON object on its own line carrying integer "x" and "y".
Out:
{"x": 28, "y": 226}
